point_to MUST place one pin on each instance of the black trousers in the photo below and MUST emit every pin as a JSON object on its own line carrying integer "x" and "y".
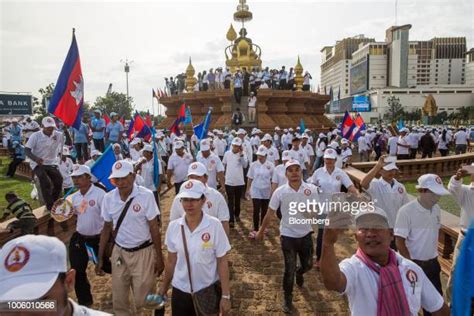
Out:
{"x": 319, "y": 243}
{"x": 403, "y": 157}
{"x": 283, "y": 84}
{"x": 443, "y": 152}
{"x": 99, "y": 144}
{"x": 177, "y": 186}
{"x": 227, "y": 84}
{"x": 51, "y": 183}
{"x": 260, "y": 207}
{"x": 12, "y": 166}
{"x": 413, "y": 153}
{"x": 460, "y": 149}
{"x": 79, "y": 260}
{"x": 238, "y": 94}
{"x": 428, "y": 154}
{"x": 182, "y": 303}
{"x": 432, "y": 269}
{"x": 306, "y": 87}
{"x": 81, "y": 150}
{"x": 26, "y": 225}
{"x": 234, "y": 194}
{"x": 293, "y": 247}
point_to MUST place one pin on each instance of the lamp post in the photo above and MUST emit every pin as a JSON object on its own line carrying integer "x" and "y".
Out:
{"x": 127, "y": 70}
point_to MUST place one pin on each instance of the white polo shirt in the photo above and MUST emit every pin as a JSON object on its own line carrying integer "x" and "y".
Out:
{"x": 88, "y": 210}
{"x": 400, "y": 149}
{"x": 235, "y": 164}
{"x": 134, "y": 230}
{"x": 461, "y": 137}
{"x": 135, "y": 155}
{"x": 362, "y": 287}
{"x": 299, "y": 155}
{"x": 215, "y": 206}
{"x": 345, "y": 154}
{"x": 309, "y": 150}
{"x": 272, "y": 155}
{"x": 389, "y": 198}
{"x": 330, "y": 183}
{"x": 220, "y": 146}
{"x": 261, "y": 175}
{"x": 148, "y": 171}
{"x": 180, "y": 165}
{"x": 392, "y": 144}
{"x": 31, "y": 125}
{"x": 464, "y": 195}
{"x": 420, "y": 229}
{"x": 214, "y": 165}
{"x": 65, "y": 168}
{"x": 362, "y": 144}
{"x": 205, "y": 244}
{"x": 279, "y": 175}
{"x": 247, "y": 149}
{"x": 295, "y": 230}
{"x": 45, "y": 147}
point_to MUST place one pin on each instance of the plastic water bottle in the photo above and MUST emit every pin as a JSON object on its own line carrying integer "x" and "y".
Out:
{"x": 155, "y": 301}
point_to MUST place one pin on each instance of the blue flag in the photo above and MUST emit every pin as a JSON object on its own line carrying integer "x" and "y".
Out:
{"x": 463, "y": 282}
{"x": 400, "y": 124}
{"x": 103, "y": 167}
{"x": 302, "y": 127}
{"x": 201, "y": 130}
{"x": 156, "y": 162}
{"x": 91, "y": 254}
{"x": 188, "y": 119}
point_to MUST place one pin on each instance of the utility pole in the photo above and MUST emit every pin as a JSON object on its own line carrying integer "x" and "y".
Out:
{"x": 127, "y": 70}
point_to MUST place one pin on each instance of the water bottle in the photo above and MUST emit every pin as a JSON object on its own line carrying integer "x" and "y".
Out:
{"x": 155, "y": 301}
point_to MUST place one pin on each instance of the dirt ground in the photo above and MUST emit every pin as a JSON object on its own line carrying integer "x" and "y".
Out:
{"x": 256, "y": 275}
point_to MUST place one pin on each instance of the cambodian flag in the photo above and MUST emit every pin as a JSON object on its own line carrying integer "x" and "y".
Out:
{"x": 359, "y": 125}
{"x": 180, "y": 119}
{"x": 141, "y": 128}
{"x": 68, "y": 96}
{"x": 347, "y": 125}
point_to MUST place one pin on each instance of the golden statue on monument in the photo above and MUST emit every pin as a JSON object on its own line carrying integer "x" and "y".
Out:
{"x": 430, "y": 108}
{"x": 242, "y": 53}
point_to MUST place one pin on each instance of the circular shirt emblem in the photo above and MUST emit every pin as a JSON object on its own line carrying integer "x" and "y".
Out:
{"x": 188, "y": 185}
{"x": 285, "y": 154}
{"x": 137, "y": 208}
{"x": 301, "y": 155}
{"x": 91, "y": 203}
{"x": 438, "y": 180}
{"x": 205, "y": 237}
{"x": 411, "y": 276}
{"x": 118, "y": 165}
{"x": 209, "y": 204}
{"x": 17, "y": 259}
{"x": 194, "y": 166}
{"x": 76, "y": 167}
{"x": 271, "y": 153}
{"x": 400, "y": 190}
{"x": 307, "y": 192}
{"x": 213, "y": 162}
{"x": 268, "y": 167}
{"x": 338, "y": 178}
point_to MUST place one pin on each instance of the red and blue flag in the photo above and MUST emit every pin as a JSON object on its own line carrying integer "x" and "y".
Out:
{"x": 359, "y": 125}
{"x": 180, "y": 119}
{"x": 68, "y": 96}
{"x": 347, "y": 125}
{"x": 141, "y": 128}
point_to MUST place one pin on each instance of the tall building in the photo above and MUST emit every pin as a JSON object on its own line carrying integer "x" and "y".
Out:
{"x": 469, "y": 68}
{"x": 336, "y": 62}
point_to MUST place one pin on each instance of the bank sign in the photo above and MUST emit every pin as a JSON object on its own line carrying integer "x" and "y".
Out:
{"x": 15, "y": 104}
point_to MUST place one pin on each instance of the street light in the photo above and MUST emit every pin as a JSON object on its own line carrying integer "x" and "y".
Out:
{"x": 127, "y": 70}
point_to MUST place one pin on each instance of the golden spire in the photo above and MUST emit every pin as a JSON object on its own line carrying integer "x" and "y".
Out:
{"x": 243, "y": 13}
{"x": 231, "y": 34}
{"x": 299, "y": 75}
{"x": 190, "y": 80}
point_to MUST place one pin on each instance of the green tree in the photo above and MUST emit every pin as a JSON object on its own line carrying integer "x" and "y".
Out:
{"x": 395, "y": 109}
{"x": 39, "y": 103}
{"x": 115, "y": 102}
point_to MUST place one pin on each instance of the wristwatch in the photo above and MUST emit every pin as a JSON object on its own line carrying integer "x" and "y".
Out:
{"x": 227, "y": 297}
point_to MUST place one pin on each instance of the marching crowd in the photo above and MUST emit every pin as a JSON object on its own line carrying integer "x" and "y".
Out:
{"x": 395, "y": 270}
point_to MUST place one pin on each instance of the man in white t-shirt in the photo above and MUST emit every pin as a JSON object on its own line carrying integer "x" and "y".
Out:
{"x": 417, "y": 227}
{"x": 403, "y": 147}
{"x": 363, "y": 147}
{"x": 178, "y": 164}
{"x": 376, "y": 280}
{"x": 461, "y": 140}
{"x": 252, "y": 107}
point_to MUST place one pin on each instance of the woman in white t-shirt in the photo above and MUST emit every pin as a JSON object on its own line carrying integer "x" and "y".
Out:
{"x": 443, "y": 141}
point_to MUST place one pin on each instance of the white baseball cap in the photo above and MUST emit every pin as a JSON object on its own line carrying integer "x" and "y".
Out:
{"x": 285, "y": 130}
{"x": 267, "y": 137}
{"x": 197, "y": 169}
{"x": 179, "y": 144}
{"x": 193, "y": 189}
{"x": 121, "y": 169}
{"x": 79, "y": 170}
{"x": 95, "y": 152}
{"x": 277, "y": 128}
{"x": 30, "y": 266}
{"x": 205, "y": 145}
{"x": 292, "y": 162}
{"x": 433, "y": 183}
{"x": 305, "y": 136}
{"x": 262, "y": 151}
{"x": 321, "y": 135}
{"x": 135, "y": 141}
{"x": 330, "y": 153}
{"x": 237, "y": 142}
{"x": 148, "y": 147}
{"x": 48, "y": 122}
{"x": 376, "y": 212}
{"x": 241, "y": 131}
{"x": 290, "y": 129}
{"x": 390, "y": 166}
{"x": 334, "y": 144}
{"x": 344, "y": 141}
{"x": 285, "y": 155}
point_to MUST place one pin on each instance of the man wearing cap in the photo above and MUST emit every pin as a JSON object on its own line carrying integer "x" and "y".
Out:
{"x": 464, "y": 195}
{"x": 215, "y": 206}
{"x": 403, "y": 147}
{"x": 30, "y": 126}
{"x": 295, "y": 238}
{"x": 363, "y": 147}
{"x": 178, "y": 166}
{"x": 461, "y": 140}
{"x": 279, "y": 174}
{"x": 307, "y": 148}
{"x": 18, "y": 156}
{"x": 113, "y": 131}
{"x": 376, "y": 279}
{"x": 417, "y": 227}
{"x": 413, "y": 139}
{"x": 98, "y": 129}
{"x": 43, "y": 149}
{"x": 87, "y": 206}
{"x": 298, "y": 153}
{"x": 272, "y": 152}
{"x": 146, "y": 165}
{"x": 277, "y": 138}
{"x": 220, "y": 144}
{"x": 346, "y": 153}
{"x": 15, "y": 131}
{"x": 247, "y": 148}
{"x": 135, "y": 149}
{"x": 235, "y": 161}
{"x": 136, "y": 257}
{"x": 65, "y": 167}
{"x": 386, "y": 191}
{"x": 214, "y": 166}
{"x": 35, "y": 268}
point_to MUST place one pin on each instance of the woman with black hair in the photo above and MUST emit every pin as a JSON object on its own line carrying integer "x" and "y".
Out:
{"x": 443, "y": 141}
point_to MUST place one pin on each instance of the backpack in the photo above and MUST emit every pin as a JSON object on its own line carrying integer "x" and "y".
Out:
{"x": 237, "y": 118}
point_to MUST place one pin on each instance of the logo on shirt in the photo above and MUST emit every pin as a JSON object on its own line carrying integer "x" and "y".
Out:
{"x": 438, "y": 180}
{"x": 55, "y": 137}
{"x": 338, "y": 178}
{"x": 137, "y": 208}
{"x": 118, "y": 165}
{"x": 209, "y": 204}
{"x": 271, "y": 153}
{"x": 213, "y": 162}
{"x": 411, "y": 276}
{"x": 268, "y": 167}
{"x": 400, "y": 190}
{"x": 17, "y": 259}
{"x": 307, "y": 192}
{"x": 205, "y": 237}
{"x": 91, "y": 203}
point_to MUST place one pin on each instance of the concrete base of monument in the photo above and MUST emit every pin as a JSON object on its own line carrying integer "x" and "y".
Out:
{"x": 283, "y": 108}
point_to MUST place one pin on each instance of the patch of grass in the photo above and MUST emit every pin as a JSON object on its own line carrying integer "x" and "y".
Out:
{"x": 20, "y": 186}
{"x": 447, "y": 203}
